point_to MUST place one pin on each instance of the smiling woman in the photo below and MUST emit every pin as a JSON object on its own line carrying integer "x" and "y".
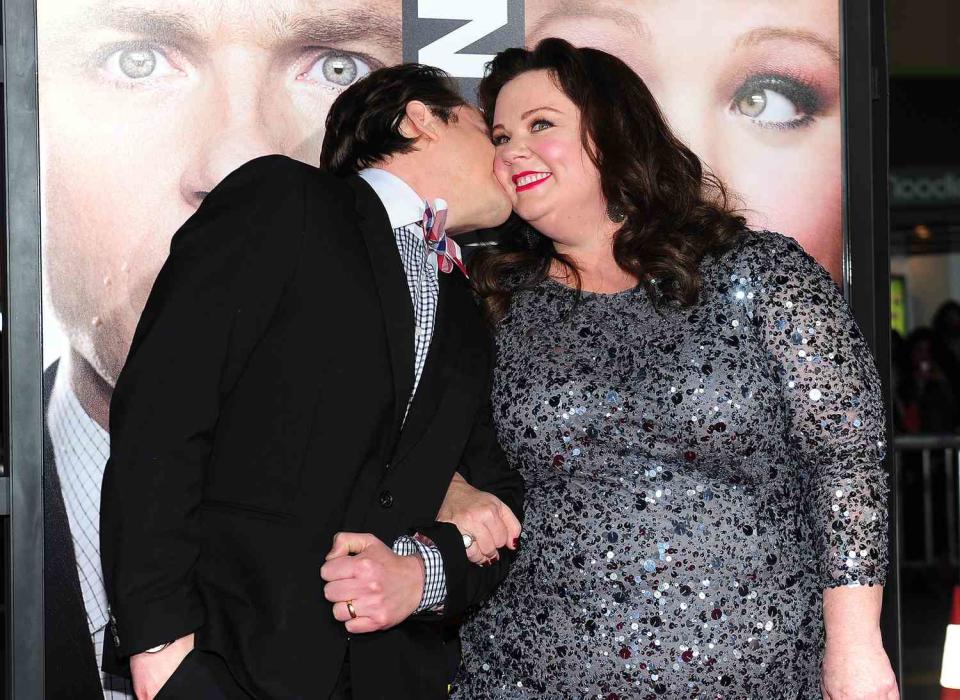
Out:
{"x": 752, "y": 86}
{"x": 695, "y": 413}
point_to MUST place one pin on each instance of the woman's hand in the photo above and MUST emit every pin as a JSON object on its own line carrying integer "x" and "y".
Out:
{"x": 482, "y": 516}
{"x": 855, "y": 666}
{"x": 858, "y": 671}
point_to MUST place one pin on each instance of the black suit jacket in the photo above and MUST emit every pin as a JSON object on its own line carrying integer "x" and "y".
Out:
{"x": 260, "y": 412}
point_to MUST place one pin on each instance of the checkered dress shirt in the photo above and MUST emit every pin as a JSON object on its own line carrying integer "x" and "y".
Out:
{"x": 421, "y": 271}
{"x": 405, "y": 211}
{"x": 80, "y": 449}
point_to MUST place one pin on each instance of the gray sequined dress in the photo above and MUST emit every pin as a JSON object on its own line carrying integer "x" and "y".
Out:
{"x": 696, "y": 476}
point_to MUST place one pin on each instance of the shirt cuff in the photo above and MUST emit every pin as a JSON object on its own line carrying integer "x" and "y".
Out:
{"x": 434, "y": 579}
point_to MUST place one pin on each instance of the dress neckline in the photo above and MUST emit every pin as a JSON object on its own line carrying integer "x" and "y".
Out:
{"x": 585, "y": 294}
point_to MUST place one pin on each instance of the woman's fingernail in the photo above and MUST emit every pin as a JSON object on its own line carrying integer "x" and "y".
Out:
{"x": 516, "y": 542}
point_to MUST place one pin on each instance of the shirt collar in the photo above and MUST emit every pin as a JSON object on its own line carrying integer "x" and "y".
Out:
{"x": 403, "y": 205}
{"x": 67, "y": 419}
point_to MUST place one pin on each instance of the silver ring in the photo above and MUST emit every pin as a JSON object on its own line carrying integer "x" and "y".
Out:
{"x": 468, "y": 540}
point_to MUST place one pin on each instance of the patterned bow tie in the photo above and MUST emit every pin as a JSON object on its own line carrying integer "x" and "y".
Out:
{"x": 441, "y": 245}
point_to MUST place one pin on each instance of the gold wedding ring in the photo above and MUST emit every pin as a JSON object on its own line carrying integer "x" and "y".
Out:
{"x": 352, "y": 610}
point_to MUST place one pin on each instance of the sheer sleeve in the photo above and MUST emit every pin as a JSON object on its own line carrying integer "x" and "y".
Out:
{"x": 831, "y": 394}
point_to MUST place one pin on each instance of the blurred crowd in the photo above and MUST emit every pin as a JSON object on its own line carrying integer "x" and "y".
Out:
{"x": 926, "y": 375}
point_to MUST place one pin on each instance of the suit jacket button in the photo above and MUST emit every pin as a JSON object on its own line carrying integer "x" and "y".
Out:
{"x": 386, "y": 499}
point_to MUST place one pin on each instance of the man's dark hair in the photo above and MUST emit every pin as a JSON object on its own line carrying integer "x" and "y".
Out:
{"x": 363, "y": 125}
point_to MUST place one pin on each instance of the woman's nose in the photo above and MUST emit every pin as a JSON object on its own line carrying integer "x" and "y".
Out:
{"x": 514, "y": 151}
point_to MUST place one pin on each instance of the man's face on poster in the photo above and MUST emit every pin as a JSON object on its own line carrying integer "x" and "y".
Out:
{"x": 145, "y": 105}
{"x": 752, "y": 86}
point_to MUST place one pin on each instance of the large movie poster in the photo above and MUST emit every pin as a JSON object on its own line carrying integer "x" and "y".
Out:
{"x": 752, "y": 86}
{"x": 146, "y": 104}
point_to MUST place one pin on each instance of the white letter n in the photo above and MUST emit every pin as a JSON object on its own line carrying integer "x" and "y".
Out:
{"x": 483, "y": 18}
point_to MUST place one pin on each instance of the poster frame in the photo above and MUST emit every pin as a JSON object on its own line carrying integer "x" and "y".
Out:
{"x": 22, "y": 366}
{"x": 865, "y": 282}
{"x": 866, "y": 238}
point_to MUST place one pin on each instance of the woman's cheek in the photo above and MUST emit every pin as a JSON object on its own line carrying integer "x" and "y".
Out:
{"x": 817, "y": 227}
{"x": 798, "y": 192}
{"x": 556, "y": 152}
{"x": 502, "y": 173}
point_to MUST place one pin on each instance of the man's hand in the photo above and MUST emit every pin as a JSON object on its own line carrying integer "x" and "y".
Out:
{"x": 482, "y": 516}
{"x": 151, "y": 671}
{"x": 384, "y": 588}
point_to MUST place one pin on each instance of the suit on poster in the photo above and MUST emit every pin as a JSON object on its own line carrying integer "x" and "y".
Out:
{"x": 260, "y": 412}
{"x": 70, "y": 664}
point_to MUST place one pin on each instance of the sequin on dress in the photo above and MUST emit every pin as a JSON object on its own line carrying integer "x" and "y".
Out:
{"x": 695, "y": 477}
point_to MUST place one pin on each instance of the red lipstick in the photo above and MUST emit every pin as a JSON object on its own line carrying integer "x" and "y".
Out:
{"x": 544, "y": 176}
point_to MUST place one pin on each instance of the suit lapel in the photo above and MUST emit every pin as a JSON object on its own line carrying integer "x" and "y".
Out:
{"x": 398, "y": 320}
{"x": 393, "y": 291}
{"x": 438, "y": 369}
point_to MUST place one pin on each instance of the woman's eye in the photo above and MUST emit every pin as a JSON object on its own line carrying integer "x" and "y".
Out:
{"x": 136, "y": 63}
{"x": 337, "y": 69}
{"x": 768, "y": 105}
{"x": 540, "y": 125}
{"x": 499, "y": 139}
{"x": 777, "y": 102}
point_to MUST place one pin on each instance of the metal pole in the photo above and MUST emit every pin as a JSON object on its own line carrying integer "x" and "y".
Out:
{"x": 23, "y": 366}
{"x": 866, "y": 225}
{"x": 927, "y": 510}
{"x": 951, "y": 500}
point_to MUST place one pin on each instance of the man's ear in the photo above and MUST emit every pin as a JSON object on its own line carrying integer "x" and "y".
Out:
{"x": 419, "y": 122}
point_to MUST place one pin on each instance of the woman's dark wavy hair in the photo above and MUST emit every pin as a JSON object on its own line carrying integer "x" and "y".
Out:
{"x": 676, "y": 212}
